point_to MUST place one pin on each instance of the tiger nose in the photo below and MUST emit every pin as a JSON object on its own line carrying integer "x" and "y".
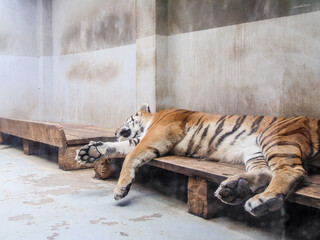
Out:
{"x": 125, "y": 132}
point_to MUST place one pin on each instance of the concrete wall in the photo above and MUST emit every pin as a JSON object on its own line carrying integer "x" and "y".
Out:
{"x": 96, "y": 61}
{"x": 243, "y": 57}
{"x": 19, "y": 83}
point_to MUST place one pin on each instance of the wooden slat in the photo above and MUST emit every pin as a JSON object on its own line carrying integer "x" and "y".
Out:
{"x": 49, "y": 133}
{"x": 82, "y": 134}
{"x": 55, "y": 134}
{"x": 307, "y": 193}
{"x": 209, "y": 170}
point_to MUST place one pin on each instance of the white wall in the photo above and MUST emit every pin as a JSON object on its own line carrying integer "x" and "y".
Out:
{"x": 269, "y": 67}
{"x": 19, "y": 83}
{"x": 94, "y": 58}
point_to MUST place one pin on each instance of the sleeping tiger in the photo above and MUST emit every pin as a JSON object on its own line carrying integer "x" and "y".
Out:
{"x": 271, "y": 148}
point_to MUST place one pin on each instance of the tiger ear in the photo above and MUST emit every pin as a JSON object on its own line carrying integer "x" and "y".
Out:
{"x": 145, "y": 108}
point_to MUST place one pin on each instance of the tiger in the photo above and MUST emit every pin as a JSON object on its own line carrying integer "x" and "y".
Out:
{"x": 273, "y": 150}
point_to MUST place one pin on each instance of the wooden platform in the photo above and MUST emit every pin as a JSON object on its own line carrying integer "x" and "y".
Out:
{"x": 205, "y": 177}
{"x": 67, "y": 137}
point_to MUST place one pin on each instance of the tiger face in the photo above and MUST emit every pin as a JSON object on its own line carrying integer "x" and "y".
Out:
{"x": 135, "y": 125}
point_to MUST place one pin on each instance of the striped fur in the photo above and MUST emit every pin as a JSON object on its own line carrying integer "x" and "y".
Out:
{"x": 273, "y": 150}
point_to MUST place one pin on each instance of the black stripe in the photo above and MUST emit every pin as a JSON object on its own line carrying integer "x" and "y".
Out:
{"x": 256, "y": 124}
{"x": 273, "y": 120}
{"x": 217, "y": 132}
{"x": 282, "y": 143}
{"x": 155, "y": 151}
{"x": 191, "y": 142}
{"x": 136, "y": 141}
{"x": 235, "y": 139}
{"x": 185, "y": 120}
{"x": 238, "y": 124}
{"x": 135, "y": 135}
{"x": 199, "y": 120}
{"x": 256, "y": 158}
{"x": 284, "y": 164}
{"x": 276, "y": 129}
{"x": 220, "y": 119}
{"x": 204, "y": 134}
{"x": 301, "y": 130}
{"x": 282, "y": 155}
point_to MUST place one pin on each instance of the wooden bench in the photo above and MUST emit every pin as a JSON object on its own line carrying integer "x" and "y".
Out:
{"x": 66, "y": 137}
{"x": 205, "y": 176}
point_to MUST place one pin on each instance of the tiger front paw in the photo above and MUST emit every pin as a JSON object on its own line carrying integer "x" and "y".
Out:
{"x": 89, "y": 153}
{"x": 121, "y": 191}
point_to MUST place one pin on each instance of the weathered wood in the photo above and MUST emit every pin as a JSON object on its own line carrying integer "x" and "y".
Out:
{"x": 77, "y": 134}
{"x": 103, "y": 168}
{"x": 208, "y": 170}
{"x": 49, "y": 133}
{"x": 307, "y": 193}
{"x": 62, "y": 135}
{"x": 201, "y": 199}
{"x": 66, "y": 158}
{"x": 29, "y": 147}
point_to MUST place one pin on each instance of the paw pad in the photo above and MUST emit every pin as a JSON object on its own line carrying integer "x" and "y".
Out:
{"x": 234, "y": 192}
{"x": 89, "y": 153}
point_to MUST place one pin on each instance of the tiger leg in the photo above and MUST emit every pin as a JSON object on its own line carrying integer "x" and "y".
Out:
{"x": 239, "y": 188}
{"x": 99, "y": 150}
{"x": 153, "y": 144}
{"x": 287, "y": 173}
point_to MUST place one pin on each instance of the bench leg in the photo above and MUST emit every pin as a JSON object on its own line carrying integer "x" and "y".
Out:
{"x": 29, "y": 146}
{"x": 201, "y": 199}
{"x": 103, "y": 168}
{"x": 66, "y": 159}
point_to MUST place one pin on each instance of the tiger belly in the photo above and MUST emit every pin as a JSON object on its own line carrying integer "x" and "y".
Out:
{"x": 229, "y": 151}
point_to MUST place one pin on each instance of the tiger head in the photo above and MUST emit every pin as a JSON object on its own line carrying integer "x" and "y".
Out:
{"x": 135, "y": 125}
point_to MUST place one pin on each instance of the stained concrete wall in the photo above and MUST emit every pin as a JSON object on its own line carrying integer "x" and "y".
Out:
{"x": 93, "y": 61}
{"x": 19, "y": 92}
{"x": 248, "y": 57}
{"x": 96, "y": 61}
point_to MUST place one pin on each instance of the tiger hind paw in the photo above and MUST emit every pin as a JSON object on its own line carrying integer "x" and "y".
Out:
{"x": 233, "y": 192}
{"x": 262, "y": 204}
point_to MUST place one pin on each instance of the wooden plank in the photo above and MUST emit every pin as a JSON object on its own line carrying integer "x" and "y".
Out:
{"x": 83, "y": 134}
{"x": 307, "y": 193}
{"x": 208, "y": 170}
{"x": 49, "y": 133}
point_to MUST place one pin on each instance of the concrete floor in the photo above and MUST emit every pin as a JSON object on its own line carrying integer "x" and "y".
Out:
{"x": 40, "y": 201}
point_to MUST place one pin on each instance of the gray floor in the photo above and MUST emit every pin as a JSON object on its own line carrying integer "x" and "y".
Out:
{"x": 39, "y": 201}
